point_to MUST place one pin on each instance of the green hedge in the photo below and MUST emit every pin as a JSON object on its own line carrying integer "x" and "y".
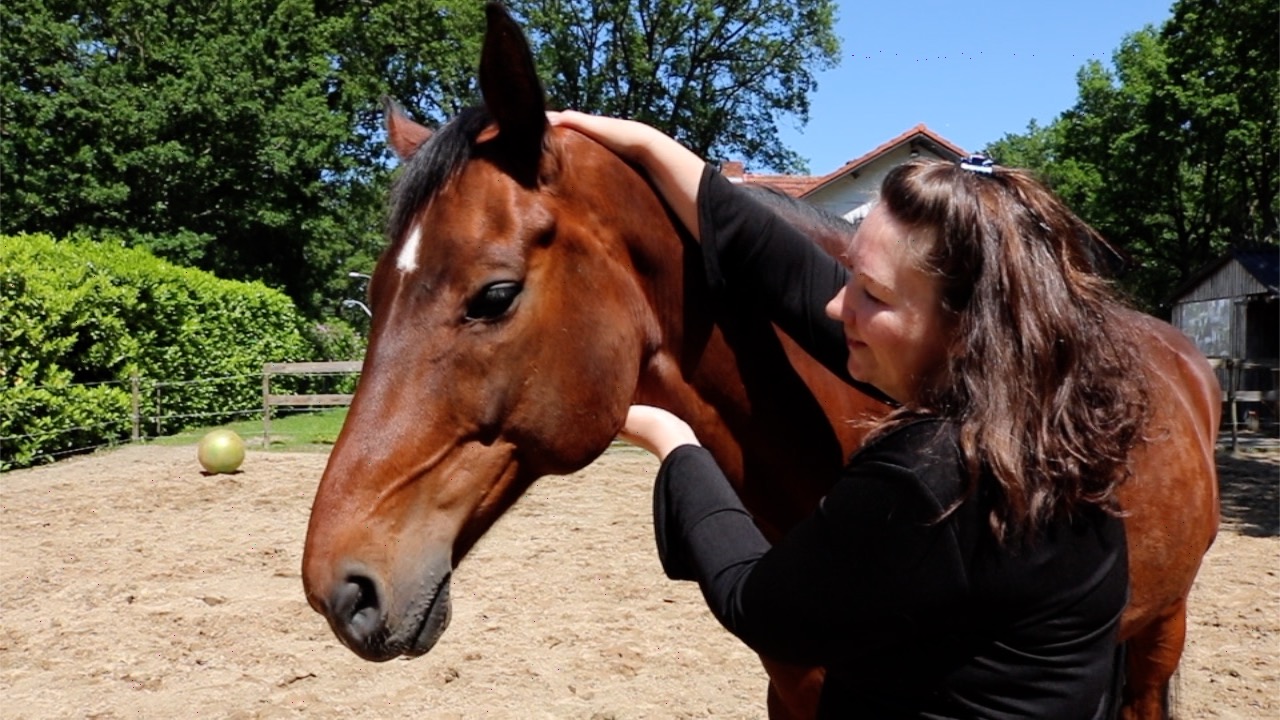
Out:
{"x": 78, "y": 318}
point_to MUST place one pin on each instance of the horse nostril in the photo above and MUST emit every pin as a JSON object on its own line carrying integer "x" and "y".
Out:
{"x": 356, "y": 608}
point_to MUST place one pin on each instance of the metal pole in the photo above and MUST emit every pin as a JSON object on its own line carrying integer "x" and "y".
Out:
{"x": 1231, "y": 398}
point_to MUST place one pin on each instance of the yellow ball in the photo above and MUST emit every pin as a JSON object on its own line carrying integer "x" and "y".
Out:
{"x": 220, "y": 451}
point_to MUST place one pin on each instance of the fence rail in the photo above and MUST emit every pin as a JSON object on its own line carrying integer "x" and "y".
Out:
{"x": 147, "y": 419}
{"x": 140, "y": 420}
{"x": 1233, "y": 394}
{"x": 273, "y": 400}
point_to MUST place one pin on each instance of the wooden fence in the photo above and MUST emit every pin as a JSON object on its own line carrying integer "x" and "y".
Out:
{"x": 272, "y": 400}
{"x": 1233, "y": 395}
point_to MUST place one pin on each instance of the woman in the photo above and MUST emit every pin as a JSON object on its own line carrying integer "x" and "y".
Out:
{"x": 970, "y": 562}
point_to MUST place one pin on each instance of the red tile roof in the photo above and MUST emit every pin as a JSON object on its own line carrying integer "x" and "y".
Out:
{"x": 801, "y": 185}
{"x": 793, "y": 185}
{"x": 919, "y": 132}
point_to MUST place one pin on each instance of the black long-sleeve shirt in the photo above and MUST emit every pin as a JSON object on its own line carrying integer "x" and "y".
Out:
{"x": 912, "y": 613}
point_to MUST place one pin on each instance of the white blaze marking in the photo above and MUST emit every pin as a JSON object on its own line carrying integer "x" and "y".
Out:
{"x": 407, "y": 260}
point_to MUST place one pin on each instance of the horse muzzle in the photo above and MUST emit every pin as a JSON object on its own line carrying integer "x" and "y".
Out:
{"x": 379, "y": 622}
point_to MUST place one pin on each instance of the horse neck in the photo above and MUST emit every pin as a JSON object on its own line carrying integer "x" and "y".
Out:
{"x": 730, "y": 377}
{"x": 687, "y": 365}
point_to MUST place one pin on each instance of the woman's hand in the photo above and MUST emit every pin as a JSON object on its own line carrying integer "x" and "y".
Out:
{"x": 672, "y": 167}
{"x": 656, "y": 430}
{"x": 627, "y": 139}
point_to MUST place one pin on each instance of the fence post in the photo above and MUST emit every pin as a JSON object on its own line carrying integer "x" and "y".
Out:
{"x": 266, "y": 408}
{"x": 1231, "y": 400}
{"x": 137, "y": 405}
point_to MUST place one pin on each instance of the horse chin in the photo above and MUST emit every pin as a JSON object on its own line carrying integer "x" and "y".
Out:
{"x": 419, "y": 628}
{"x": 432, "y": 621}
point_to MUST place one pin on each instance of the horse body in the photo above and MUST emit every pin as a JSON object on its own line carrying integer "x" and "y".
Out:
{"x": 534, "y": 288}
{"x": 1172, "y": 509}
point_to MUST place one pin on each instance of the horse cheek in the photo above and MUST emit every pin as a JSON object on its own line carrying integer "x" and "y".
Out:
{"x": 582, "y": 410}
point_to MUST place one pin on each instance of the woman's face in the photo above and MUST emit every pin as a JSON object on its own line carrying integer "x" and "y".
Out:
{"x": 891, "y": 310}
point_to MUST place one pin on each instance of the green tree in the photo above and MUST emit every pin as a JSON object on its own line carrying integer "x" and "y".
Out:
{"x": 1224, "y": 61}
{"x": 1039, "y": 149}
{"x": 719, "y": 76}
{"x": 244, "y": 137}
{"x": 1171, "y": 153}
{"x": 239, "y": 137}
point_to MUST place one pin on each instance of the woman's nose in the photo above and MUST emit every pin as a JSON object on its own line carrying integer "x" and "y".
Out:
{"x": 835, "y": 308}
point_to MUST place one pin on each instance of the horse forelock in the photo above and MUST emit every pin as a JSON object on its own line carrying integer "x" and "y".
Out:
{"x": 432, "y": 166}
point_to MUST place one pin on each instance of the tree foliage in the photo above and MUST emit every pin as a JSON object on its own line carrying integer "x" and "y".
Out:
{"x": 240, "y": 137}
{"x": 244, "y": 137}
{"x": 1172, "y": 152}
{"x": 719, "y": 76}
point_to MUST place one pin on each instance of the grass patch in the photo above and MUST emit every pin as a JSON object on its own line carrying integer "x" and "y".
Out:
{"x": 314, "y": 431}
{"x": 300, "y": 432}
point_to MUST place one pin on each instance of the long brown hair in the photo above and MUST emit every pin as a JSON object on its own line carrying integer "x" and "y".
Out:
{"x": 1042, "y": 378}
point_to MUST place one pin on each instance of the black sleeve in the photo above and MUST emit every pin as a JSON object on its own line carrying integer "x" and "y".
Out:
{"x": 751, "y": 252}
{"x": 870, "y": 562}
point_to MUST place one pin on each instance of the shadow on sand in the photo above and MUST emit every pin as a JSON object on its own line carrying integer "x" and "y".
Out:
{"x": 1250, "y": 487}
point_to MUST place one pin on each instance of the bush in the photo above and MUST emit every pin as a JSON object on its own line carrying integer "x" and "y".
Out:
{"x": 79, "y": 311}
{"x": 335, "y": 339}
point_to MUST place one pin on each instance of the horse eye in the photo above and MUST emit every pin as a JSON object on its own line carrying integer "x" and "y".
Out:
{"x": 493, "y": 301}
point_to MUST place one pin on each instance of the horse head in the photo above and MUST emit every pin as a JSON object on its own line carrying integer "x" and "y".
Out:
{"x": 506, "y": 342}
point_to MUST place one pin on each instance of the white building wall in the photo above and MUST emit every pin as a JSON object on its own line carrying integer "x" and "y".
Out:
{"x": 851, "y": 197}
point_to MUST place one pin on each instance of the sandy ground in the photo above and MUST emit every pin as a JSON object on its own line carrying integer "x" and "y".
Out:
{"x": 133, "y": 586}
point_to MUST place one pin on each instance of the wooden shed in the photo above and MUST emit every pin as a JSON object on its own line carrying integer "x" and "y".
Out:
{"x": 1230, "y": 309}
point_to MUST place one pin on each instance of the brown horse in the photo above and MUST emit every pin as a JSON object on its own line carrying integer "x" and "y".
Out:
{"x": 535, "y": 287}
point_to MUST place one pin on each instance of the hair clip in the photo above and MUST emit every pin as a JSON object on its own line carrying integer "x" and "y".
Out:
{"x": 980, "y": 164}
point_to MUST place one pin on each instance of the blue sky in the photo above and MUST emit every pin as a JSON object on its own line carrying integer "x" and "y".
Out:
{"x": 972, "y": 70}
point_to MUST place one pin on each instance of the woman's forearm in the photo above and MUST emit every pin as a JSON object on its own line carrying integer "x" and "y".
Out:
{"x": 676, "y": 172}
{"x": 656, "y": 430}
{"x": 674, "y": 169}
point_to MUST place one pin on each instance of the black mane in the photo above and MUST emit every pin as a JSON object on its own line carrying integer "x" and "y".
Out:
{"x": 777, "y": 200}
{"x": 433, "y": 165}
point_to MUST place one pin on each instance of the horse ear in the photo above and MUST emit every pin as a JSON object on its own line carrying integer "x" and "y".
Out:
{"x": 511, "y": 89}
{"x": 403, "y": 134}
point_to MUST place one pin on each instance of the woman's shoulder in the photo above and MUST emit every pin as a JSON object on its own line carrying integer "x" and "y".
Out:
{"x": 924, "y": 449}
{"x": 908, "y": 443}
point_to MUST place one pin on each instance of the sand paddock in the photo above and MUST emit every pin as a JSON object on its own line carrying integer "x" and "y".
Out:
{"x": 131, "y": 585}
